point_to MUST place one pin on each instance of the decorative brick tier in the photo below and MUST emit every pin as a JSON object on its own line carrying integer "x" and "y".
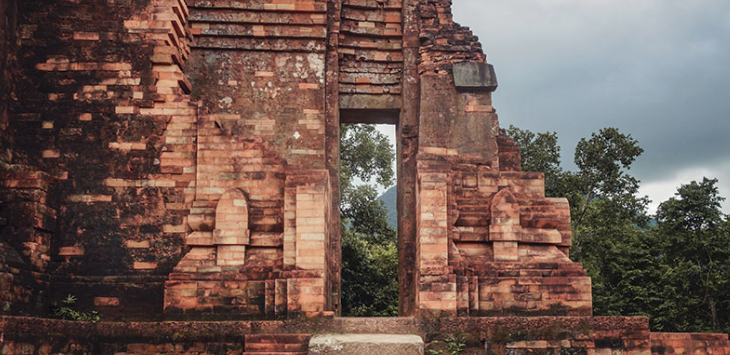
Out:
{"x": 280, "y": 344}
{"x": 502, "y": 243}
{"x": 370, "y": 54}
{"x": 689, "y": 343}
{"x": 180, "y": 159}
{"x": 93, "y": 183}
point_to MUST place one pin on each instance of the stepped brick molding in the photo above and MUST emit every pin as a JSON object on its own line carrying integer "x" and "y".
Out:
{"x": 684, "y": 343}
{"x": 180, "y": 160}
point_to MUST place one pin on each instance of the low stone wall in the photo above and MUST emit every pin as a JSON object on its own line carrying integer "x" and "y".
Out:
{"x": 689, "y": 343}
{"x": 551, "y": 335}
{"x": 493, "y": 336}
{"x": 22, "y": 335}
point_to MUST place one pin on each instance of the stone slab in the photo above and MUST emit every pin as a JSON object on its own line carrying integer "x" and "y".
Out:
{"x": 475, "y": 76}
{"x": 366, "y": 344}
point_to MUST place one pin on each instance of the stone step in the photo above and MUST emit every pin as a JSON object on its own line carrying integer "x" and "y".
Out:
{"x": 278, "y": 338}
{"x": 276, "y": 343}
{"x": 269, "y": 347}
{"x": 364, "y": 325}
{"x": 366, "y": 344}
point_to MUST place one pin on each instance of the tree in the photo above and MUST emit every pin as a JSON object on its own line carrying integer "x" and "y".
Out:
{"x": 369, "y": 251}
{"x": 369, "y": 276}
{"x": 367, "y": 215}
{"x": 677, "y": 272}
{"x": 609, "y": 223}
{"x": 695, "y": 254}
{"x": 608, "y": 220}
{"x": 540, "y": 153}
{"x": 603, "y": 162}
{"x": 365, "y": 153}
{"x": 621, "y": 260}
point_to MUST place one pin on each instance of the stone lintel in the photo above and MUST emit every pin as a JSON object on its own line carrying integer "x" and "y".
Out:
{"x": 475, "y": 76}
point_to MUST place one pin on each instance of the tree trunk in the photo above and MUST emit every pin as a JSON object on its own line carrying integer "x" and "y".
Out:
{"x": 713, "y": 311}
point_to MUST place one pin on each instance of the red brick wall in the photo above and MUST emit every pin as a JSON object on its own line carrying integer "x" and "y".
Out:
{"x": 186, "y": 159}
{"x": 506, "y": 335}
{"x": 509, "y": 335}
{"x": 111, "y": 154}
{"x": 31, "y": 336}
{"x": 104, "y": 123}
{"x": 370, "y": 51}
{"x": 8, "y": 41}
{"x": 444, "y": 42}
{"x": 258, "y": 71}
{"x": 488, "y": 241}
{"x": 127, "y": 160}
{"x": 491, "y": 244}
{"x": 689, "y": 343}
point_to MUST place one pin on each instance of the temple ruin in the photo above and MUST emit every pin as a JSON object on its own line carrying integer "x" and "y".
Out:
{"x": 179, "y": 160}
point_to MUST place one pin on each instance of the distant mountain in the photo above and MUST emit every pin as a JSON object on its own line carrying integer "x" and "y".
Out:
{"x": 390, "y": 198}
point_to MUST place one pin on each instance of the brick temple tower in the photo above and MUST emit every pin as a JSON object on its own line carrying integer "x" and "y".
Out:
{"x": 181, "y": 159}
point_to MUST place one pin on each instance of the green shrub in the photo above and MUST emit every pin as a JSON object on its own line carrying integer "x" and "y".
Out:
{"x": 66, "y": 311}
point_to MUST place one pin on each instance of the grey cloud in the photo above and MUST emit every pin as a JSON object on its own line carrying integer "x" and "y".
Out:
{"x": 657, "y": 69}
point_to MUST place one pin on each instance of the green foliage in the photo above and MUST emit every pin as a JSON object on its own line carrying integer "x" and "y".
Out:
{"x": 66, "y": 311}
{"x": 677, "y": 272}
{"x": 694, "y": 241}
{"x": 451, "y": 344}
{"x": 540, "y": 153}
{"x": 369, "y": 251}
{"x": 603, "y": 162}
{"x": 607, "y": 216}
{"x": 365, "y": 153}
{"x": 619, "y": 258}
{"x": 369, "y": 276}
{"x": 367, "y": 216}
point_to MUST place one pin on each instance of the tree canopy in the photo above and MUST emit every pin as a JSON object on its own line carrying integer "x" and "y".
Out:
{"x": 694, "y": 242}
{"x": 369, "y": 252}
{"x": 673, "y": 267}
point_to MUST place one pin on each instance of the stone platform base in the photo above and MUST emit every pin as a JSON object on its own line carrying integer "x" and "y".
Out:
{"x": 366, "y": 344}
{"x": 376, "y": 336}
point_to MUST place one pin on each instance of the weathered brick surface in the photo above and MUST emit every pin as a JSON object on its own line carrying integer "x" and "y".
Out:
{"x": 689, "y": 343}
{"x": 370, "y": 53}
{"x": 8, "y": 66}
{"x": 260, "y": 213}
{"x": 180, "y": 159}
{"x": 506, "y": 335}
{"x": 490, "y": 243}
{"x": 444, "y": 42}
{"x": 99, "y": 106}
{"x": 195, "y": 145}
{"x": 488, "y": 240}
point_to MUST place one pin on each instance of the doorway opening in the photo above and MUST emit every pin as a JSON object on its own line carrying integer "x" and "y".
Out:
{"x": 369, "y": 217}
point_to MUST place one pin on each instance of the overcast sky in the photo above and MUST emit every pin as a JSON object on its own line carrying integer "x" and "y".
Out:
{"x": 656, "y": 69}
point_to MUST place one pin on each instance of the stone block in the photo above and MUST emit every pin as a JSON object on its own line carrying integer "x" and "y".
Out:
{"x": 475, "y": 76}
{"x": 366, "y": 344}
